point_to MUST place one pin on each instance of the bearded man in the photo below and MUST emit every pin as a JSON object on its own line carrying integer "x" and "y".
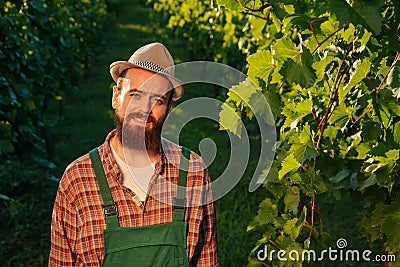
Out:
{"x": 137, "y": 199}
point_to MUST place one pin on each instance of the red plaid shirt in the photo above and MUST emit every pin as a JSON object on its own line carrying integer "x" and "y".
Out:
{"x": 78, "y": 221}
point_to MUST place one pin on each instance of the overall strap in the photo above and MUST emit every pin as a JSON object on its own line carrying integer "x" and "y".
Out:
{"x": 180, "y": 199}
{"x": 109, "y": 207}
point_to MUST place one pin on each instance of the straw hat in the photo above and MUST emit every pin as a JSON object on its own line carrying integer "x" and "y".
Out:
{"x": 154, "y": 57}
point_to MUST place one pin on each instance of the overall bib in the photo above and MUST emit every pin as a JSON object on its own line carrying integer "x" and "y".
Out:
{"x": 156, "y": 245}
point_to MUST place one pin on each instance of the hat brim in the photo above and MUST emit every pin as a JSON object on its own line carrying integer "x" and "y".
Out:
{"x": 119, "y": 66}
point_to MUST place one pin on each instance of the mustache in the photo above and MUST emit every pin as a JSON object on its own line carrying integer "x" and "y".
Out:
{"x": 144, "y": 116}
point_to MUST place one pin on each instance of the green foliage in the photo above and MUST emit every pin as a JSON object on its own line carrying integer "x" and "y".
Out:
{"x": 45, "y": 48}
{"x": 330, "y": 72}
{"x": 339, "y": 112}
{"x": 214, "y": 30}
{"x": 25, "y": 209}
{"x": 360, "y": 12}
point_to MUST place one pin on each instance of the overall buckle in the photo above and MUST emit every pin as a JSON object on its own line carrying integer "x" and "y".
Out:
{"x": 110, "y": 210}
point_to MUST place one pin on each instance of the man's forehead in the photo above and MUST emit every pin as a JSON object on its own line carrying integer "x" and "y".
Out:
{"x": 151, "y": 85}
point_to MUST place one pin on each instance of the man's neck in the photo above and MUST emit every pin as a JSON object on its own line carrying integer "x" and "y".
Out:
{"x": 135, "y": 158}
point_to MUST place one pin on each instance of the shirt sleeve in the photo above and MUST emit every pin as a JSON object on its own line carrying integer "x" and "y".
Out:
{"x": 205, "y": 254}
{"x": 63, "y": 232}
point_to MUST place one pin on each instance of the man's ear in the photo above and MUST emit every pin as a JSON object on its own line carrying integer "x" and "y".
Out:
{"x": 115, "y": 98}
{"x": 170, "y": 106}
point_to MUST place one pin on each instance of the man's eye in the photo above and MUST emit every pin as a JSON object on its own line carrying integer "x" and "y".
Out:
{"x": 136, "y": 95}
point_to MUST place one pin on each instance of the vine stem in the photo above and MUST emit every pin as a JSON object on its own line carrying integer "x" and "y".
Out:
{"x": 332, "y": 100}
{"x": 312, "y": 216}
{"x": 315, "y": 36}
{"x": 255, "y": 15}
{"x": 390, "y": 29}
{"x": 274, "y": 244}
{"x": 260, "y": 9}
{"x": 312, "y": 202}
{"x": 320, "y": 216}
{"x": 315, "y": 116}
{"x": 388, "y": 5}
{"x": 370, "y": 83}
{"x": 327, "y": 38}
{"x": 353, "y": 121}
{"x": 396, "y": 58}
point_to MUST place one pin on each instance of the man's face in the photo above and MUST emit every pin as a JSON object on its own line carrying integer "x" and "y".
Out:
{"x": 141, "y": 106}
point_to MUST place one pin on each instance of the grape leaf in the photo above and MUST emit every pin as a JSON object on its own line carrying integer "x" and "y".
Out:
{"x": 365, "y": 38}
{"x": 295, "y": 111}
{"x": 340, "y": 116}
{"x": 289, "y": 226}
{"x": 257, "y": 26}
{"x": 329, "y": 26}
{"x": 321, "y": 66}
{"x": 348, "y": 34}
{"x": 298, "y": 70}
{"x": 277, "y": 10}
{"x": 230, "y": 121}
{"x": 378, "y": 162}
{"x": 367, "y": 183}
{"x": 288, "y": 164}
{"x": 305, "y": 136}
{"x": 300, "y": 222}
{"x": 396, "y": 133}
{"x": 292, "y": 199}
{"x": 340, "y": 176}
{"x": 244, "y": 2}
{"x": 363, "y": 150}
{"x": 242, "y": 92}
{"x": 302, "y": 152}
{"x": 247, "y": 94}
{"x": 268, "y": 212}
{"x": 366, "y": 13}
{"x": 285, "y": 49}
{"x": 300, "y": 20}
{"x": 230, "y": 4}
{"x": 320, "y": 184}
{"x": 392, "y": 155}
{"x": 260, "y": 65}
{"x": 391, "y": 225}
{"x": 361, "y": 69}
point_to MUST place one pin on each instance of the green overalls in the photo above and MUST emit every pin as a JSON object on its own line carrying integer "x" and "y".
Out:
{"x": 143, "y": 246}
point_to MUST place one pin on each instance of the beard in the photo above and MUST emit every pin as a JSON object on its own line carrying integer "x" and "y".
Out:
{"x": 137, "y": 137}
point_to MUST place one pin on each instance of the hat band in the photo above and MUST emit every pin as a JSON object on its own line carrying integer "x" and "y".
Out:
{"x": 150, "y": 66}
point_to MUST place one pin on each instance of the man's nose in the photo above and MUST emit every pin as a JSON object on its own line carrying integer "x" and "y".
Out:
{"x": 144, "y": 104}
